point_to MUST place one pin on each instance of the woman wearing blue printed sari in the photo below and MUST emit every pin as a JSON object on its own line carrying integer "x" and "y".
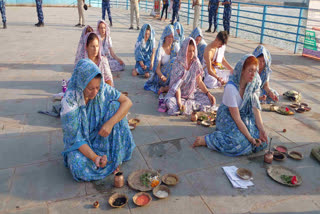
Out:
{"x": 263, "y": 55}
{"x": 96, "y": 135}
{"x": 165, "y": 55}
{"x": 144, "y": 51}
{"x": 178, "y": 33}
{"x": 197, "y": 35}
{"x": 239, "y": 129}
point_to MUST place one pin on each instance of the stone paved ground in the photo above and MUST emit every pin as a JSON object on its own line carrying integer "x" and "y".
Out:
{"x": 33, "y": 61}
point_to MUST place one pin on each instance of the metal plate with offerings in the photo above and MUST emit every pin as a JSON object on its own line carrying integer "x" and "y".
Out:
{"x": 284, "y": 175}
{"x": 141, "y": 180}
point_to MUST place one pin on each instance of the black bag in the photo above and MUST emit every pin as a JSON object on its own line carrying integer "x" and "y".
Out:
{"x": 85, "y": 7}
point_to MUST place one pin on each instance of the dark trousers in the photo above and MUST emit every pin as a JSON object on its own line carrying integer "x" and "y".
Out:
{"x": 39, "y": 10}
{"x": 106, "y": 6}
{"x": 213, "y": 14}
{"x": 175, "y": 13}
{"x": 165, "y": 7}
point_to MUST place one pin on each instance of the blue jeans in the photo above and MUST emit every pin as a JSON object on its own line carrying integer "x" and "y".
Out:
{"x": 106, "y": 6}
{"x": 39, "y": 10}
{"x": 3, "y": 11}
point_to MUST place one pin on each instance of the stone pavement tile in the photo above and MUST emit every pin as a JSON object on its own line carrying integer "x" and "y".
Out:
{"x": 36, "y": 184}
{"x": 183, "y": 199}
{"x": 301, "y": 204}
{"x": 218, "y": 193}
{"x": 214, "y": 158}
{"x": 137, "y": 162}
{"x": 173, "y": 127}
{"x": 296, "y": 131}
{"x": 12, "y": 125}
{"x": 143, "y": 133}
{"x": 43, "y": 209}
{"x": 39, "y": 122}
{"x": 173, "y": 156}
{"x": 22, "y": 106}
{"x": 56, "y": 145}
{"x": 84, "y": 204}
{"x": 5, "y": 184}
{"x": 23, "y": 150}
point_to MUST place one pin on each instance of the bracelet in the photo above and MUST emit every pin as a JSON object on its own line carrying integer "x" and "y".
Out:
{"x": 207, "y": 93}
{"x": 161, "y": 76}
{"x": 94, "y": 158}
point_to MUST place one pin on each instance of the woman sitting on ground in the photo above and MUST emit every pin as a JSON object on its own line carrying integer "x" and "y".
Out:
{"x": 186, "y": 78}
{"x": 93, "y": 52}
{"x": 96, "y": 135}
{"x": 178, "y": 33}
{"x": 81, "y": 45}
{"x": 144, "y": 51}
{"x": 197, "y": 35}
{"x": 165, "y": 56}
{"x": 263, "y": 55}
{"x": 240, "y": 129}
{"x": 103, "y": 31}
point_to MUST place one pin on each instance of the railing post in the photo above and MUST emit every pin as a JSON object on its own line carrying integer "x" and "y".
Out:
{"x": 238, "y": 18}
{"x": 298, "y": 31}
{"x": 146, "y": 5}
{"x": 263, "y": 23}
{"x": 188, "y": 18}
{"x": 127, "y": 4}
{"x": 201, "y": 17}
{"x": 116, "y": 3}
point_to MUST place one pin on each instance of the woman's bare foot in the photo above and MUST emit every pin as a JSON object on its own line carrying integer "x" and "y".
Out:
{"x": 200, "y": 141}
{"x": 134, "y": 72}
{"x": 147, "y": 75}
{"x": 116, "y": 170}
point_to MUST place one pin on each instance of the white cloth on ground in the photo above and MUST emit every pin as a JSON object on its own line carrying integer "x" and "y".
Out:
{"x": 231, "y": 172}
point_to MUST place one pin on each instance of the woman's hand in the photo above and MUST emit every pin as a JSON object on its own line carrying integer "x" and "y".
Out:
{"x": 273, "y": 96}
{"x": 151, "y": 67}
{"x": 101, "y": 161}
{"x": 255, "y": 142}
{"x": 263, "y": 98}
{"x": 163, "y": 78}
{"x": 120, "y": 61}
{"x": 182, "y": 108}
{"x": 105, "y": 129}
{"x": 263, "y": 135}
{"x": 211, "y": 98}
{"x": 221, "y": 80}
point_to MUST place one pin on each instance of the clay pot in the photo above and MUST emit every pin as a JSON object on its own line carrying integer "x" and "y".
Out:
{"x": 194, "y": 117}
{"x": 118, "y": 179}
{"x": 268, "y": 157}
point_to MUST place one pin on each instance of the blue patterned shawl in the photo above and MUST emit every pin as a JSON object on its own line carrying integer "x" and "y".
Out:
{"x": 143, "y": 50}
{"x": 178, "y": 37}
{"x": 81, "y": 122}
{"x": 265, "y": 74}
{"x": 202, "y": 44}
{"x": 251, "y": 94}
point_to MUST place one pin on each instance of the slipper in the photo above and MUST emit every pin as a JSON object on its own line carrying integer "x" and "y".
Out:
{"x": 162, "y": 108}
{"x": 300, "y": 110}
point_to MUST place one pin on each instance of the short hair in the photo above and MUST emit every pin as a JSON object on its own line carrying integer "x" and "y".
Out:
{"x": 223, "y": 37}
{"x": 191, "y": 43}
{"x": 251, "y": 60}
{"x": 89, "y": 29}
{"x": 91, "y": 37}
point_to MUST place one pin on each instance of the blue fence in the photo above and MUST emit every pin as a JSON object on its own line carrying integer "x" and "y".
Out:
{"x": 284, "y": 23}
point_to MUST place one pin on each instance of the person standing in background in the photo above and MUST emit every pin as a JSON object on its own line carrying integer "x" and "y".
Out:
{"x": 3, "y": 13}
{"x": 81, "y": 14}
{"x": 40, "y": 13}
{"x": 175, "y": 10}
{"x": 213, "y": 8}
{"x": 106, "y": 6}
{"x": 227, "y": 15}
{"x": 165, "y": 7}
{"x": 134, "y": 8}
{"x": 197, "y": 8}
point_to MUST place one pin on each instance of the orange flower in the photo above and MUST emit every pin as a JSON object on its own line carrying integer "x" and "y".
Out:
{"x": 154, "y": 183}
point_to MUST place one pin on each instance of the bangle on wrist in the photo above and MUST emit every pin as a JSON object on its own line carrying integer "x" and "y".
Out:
{"x": 207, "y": 92}
{"x": 94, "y": 158}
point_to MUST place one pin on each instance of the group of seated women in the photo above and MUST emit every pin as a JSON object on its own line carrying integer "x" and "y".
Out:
{"x": 97, "y": 137}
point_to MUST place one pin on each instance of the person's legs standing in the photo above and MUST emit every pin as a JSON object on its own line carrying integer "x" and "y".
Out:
{"x": 104, "y": 7}
{"x": 109, "y": 12}
{"x": 3, "y": 13}
{"x": 226, "y": 18}
{"x": 210, "y": 18}
{"x": 81, "y": 12}
{"x": 166, "y": 8}
{"x": 196, "y": 16}
{"x": 131, "y": 14}
{"x": 215, "y": 13}
{"x": 137, "y": 13}
{"x": 40, "y": 13}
